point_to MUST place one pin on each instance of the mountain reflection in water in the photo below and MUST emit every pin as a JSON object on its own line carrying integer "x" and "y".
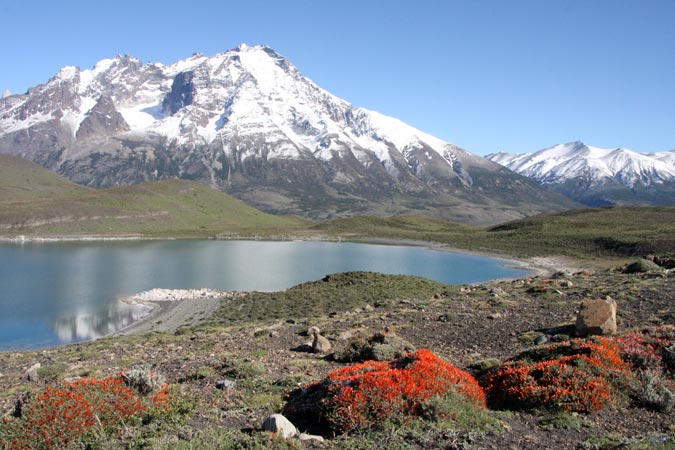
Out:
{"x": 86, "y": 326}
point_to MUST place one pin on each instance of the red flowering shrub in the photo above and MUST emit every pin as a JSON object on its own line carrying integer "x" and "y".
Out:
{"x": 59, "y": 415}
{"x": 651, "y": 354}
{"x": 366, "y": 394}
{"x": 580, "y": 375}
{"x": 649, "y": 349}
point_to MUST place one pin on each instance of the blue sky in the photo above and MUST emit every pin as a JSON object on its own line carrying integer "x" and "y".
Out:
{"x": 516, "y": 76}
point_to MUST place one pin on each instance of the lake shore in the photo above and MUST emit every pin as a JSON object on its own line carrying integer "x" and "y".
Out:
{"x": 170, "y": 312}
{"x": 173, "y": 308}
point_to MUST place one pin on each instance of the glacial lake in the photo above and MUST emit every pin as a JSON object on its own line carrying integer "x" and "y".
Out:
{"x": 59, "y": 293}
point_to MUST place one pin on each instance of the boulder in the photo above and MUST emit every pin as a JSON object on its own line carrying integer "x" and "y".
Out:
{"x": 32, "y": 372}
{"x": 596, "y": 317}
{"x": 310, "y": 437}
{"x": 319, "y": 343}
{"x": 666, "y": 263}
{"x": 641, "y": 266}
{"x": 541, "y": 339}
{"x": 226, "y": 385}
{"x": 279, "y": 425}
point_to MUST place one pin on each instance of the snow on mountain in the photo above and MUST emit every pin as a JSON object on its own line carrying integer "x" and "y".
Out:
{"x": 245, "y": 121}
{"x": 575, "y": 160}
{"x": 579, "y": 170}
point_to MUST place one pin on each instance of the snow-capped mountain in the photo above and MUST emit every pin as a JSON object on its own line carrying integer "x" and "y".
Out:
{"x": 247, "y": 122}
{"x": 598, "y": 176}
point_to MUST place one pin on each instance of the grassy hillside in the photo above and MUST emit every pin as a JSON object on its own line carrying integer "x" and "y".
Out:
{"x": 618, "y": 231}
{"x": 34, "y": 200}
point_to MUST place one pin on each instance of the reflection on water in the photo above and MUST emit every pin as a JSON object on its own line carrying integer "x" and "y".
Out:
{"x": 66, "y": 292}
{"x": 86, "y": 326}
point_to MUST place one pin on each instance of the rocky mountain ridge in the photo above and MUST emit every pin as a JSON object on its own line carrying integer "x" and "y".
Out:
{"x": 247, "y": 122}
{"x": 596, "y": 176}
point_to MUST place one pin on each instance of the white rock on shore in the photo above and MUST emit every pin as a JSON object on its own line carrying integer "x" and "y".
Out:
{"x": 173, "y": 295}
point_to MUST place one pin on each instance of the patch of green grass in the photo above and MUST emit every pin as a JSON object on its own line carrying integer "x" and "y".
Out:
{"x": 333, "y": 294}
{"x": 34, "y": 200}
{"x": 565, "y": 421}
{"x": 588, "y": 233}
{"x": 243, "y": 368}
{"x": 52, "y": 372}
{"x": 218, "y": 439}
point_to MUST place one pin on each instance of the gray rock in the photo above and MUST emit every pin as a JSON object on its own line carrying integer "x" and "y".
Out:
{"x": 641, "y": 266}
{"x": 319, "y": 343}
{"x": 597, "y": 317}
{"x": 310, "y": 437}
{"x": 226, "y": 384}
{"x": 541, "y": 340}
{"x": 32, "y": 373}
{"x": 279, "y": 425}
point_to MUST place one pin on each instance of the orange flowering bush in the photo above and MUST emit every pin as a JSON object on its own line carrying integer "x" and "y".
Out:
{"x": 650, "y": 349}
{"x": 651, "y": 354}
{"x": 366, "y": 394}
{"x": 61, "y": 414}
{"x": 580, "y": 375}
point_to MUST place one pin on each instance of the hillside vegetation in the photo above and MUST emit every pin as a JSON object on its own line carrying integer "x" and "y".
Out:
{"x": 34, "y": 201}
{"x": 616, "y": 231}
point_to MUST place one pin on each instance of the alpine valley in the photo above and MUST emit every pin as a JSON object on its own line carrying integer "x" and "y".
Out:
{"x": 597, "y": 176}
{"x": 248, "y": 123}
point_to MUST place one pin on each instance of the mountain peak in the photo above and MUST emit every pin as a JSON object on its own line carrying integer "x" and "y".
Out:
{"x": 252, "y": 48}
{"x": 581, "y": 171}
{"x": 247, "y": 120}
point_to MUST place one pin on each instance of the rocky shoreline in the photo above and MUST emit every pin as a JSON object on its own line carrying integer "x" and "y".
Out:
{"x": 173, "y": 308}
{"x": 173, "y": 295}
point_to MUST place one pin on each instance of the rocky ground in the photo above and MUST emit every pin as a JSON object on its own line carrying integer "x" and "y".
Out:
{"x": 264, "y": 359}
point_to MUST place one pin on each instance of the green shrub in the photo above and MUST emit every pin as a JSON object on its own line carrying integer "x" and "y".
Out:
{"x": 653, "y": 391}
{"x": 143, "y": 380}
{"x": 382, "y": 346}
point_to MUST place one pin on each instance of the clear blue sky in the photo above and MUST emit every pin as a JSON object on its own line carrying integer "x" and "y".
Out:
{"x": 493, "y": 75}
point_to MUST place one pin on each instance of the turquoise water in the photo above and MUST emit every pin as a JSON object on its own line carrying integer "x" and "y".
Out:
{"x": 58, "y": 293}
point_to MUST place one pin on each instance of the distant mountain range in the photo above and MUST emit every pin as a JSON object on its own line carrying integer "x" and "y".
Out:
{"x": 247, "y": 122}
{"x": 596, "y": 176}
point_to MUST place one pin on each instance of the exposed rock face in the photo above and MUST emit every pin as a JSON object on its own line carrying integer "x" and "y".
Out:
{"x": 247, "y": 122}
{"x": 102, "y": 120}
{"x": 181, "y": 95}
{"x": 597, "y": 317}
{"x": 278, "y": 424}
